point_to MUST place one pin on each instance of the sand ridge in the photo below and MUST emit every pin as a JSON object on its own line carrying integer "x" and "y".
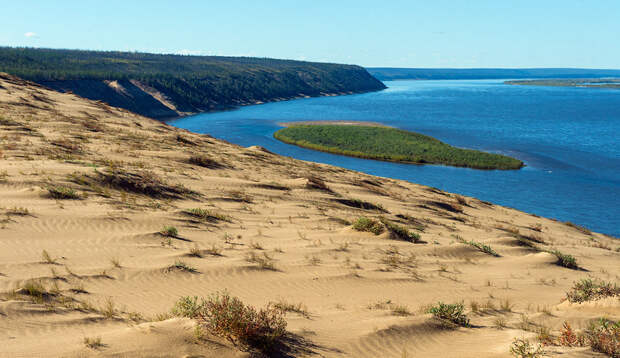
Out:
{"x": 365, "y": 294}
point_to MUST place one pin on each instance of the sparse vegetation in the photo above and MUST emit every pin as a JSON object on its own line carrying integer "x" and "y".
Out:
{"x": 453, "y": 313}
{"x": 589, "y": 290}
{"x": 142, "y": 182}
{"x": 478, "y": 245}
{"x": 581, "y": 229}
{"x": 398, "y": 232}
{"x": 522, "y": 348}
{"x": 206, "y": 215}
{"x": 92, "y": 342}
{"x": 187, "y": 307}
{"x": 195, "y": 251}
{"x": 47, "y": 258}
{"x": 603, "y": 335}
{"x": 565, "y": 260}
{"x": 264, "y": 262}
{"x": 204, "y": 161}
{"x": 63, "y": 192}
{"x": 285, "y": 306}
{"x": 181, "y": 266}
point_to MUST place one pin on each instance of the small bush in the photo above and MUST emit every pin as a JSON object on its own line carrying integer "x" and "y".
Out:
{"x": 588, "y": 290}
{"x": 263, "y": 262}
{"x": 522, "y": 348}
{"x": 454, "y": 313}
{"x": 366, "y": 224}
{"x": 92, "y": 342}
{"x": 108, "y": 309}
{"x": 169, "y": 231}
{"x": 227, "y": 316}
{"x": 206, "y": 215}
{"x": 63, "y": 192}
{"x": 604, "y": 336}
{"x": 195, "y": 251}
{"x": 565, "y": 260}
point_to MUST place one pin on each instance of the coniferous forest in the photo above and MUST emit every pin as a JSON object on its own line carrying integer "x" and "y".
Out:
{"x": 188, "y": 83}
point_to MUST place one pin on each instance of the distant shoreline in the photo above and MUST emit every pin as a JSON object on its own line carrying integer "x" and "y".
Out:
{"x": 608, "y": 83}
{"x": 339, "y": 123}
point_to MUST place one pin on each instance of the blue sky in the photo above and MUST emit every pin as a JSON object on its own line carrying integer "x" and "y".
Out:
{"x": 431, "y": 33}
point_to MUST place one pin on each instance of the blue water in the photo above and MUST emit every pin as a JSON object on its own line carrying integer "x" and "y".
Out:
{"x": 568, "y": 137}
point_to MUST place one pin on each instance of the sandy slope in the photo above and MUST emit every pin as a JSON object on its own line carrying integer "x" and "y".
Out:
{"x": 349, "y": 281}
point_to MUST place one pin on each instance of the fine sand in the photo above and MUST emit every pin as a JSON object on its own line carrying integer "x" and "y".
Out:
{"x": 110, "y": 273}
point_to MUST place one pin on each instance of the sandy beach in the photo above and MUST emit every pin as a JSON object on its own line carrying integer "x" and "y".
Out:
{"x": 89, "y": 194}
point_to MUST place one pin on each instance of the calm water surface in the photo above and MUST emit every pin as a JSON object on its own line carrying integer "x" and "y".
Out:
{"x": 568, "y": 137}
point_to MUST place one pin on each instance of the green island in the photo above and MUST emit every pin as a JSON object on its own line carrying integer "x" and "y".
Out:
{"x": 390, "y": 144}
{"x": 609, "y": 83}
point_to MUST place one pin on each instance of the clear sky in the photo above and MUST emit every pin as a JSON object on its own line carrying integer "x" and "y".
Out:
{"x": 395, "y": 33}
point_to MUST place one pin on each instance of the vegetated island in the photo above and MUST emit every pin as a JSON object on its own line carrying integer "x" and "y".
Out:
{"x": 167, "y": 86}
{"x": 389, "y": 144}
{"x": 613, "y": 83}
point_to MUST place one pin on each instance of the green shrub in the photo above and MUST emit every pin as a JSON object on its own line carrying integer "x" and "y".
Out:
{"x": 565, "y": 260}
{"x": 399, "y": 232}
{"x": 454, "y": 313}
{"x": 588, "y": 290}
{"x": 62, "y": 192}
{"x": 366, "y": 224}
{"x": 169, "y": 231}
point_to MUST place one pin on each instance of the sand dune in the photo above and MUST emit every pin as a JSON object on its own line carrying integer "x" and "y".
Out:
{"x": 113, "y": 275}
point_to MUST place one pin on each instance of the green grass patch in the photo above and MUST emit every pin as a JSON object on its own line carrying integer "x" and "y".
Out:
{"x": 366, "y": 224}
{"x": 390, "y": 144}
{"x": 398, "y": 232}
{"x": 565, "y": 260}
